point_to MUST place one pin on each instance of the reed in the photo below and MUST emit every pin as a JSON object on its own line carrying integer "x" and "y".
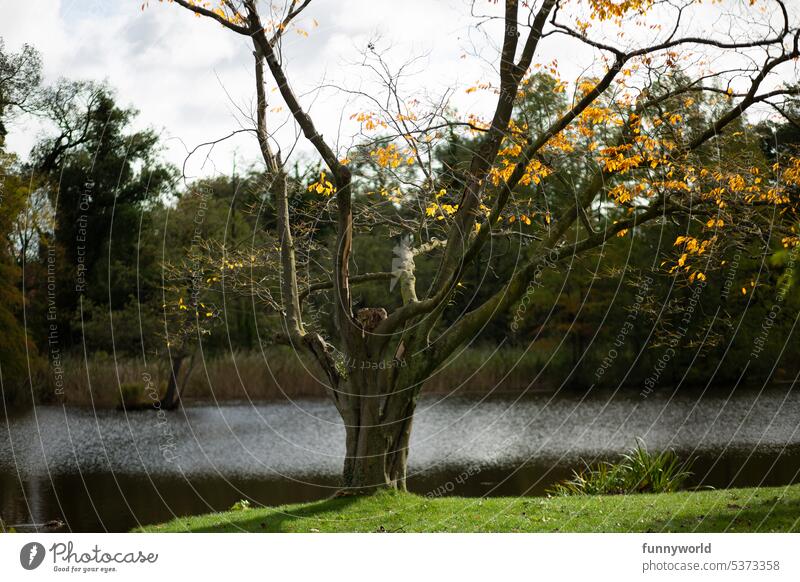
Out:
{"x": 639, "y": 471}
{"x": 275, "y": 374}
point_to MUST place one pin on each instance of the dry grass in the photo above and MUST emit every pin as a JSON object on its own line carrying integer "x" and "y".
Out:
{"x": 276, "y": 374}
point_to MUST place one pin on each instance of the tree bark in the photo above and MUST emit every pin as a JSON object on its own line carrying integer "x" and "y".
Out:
{"x": 378, "y": 428}
{"x": 172, "y": 395}
{"x": 177, "y": 383}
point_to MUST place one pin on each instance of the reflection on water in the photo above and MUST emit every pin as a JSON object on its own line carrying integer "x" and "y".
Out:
{"x": 112, "y": 471}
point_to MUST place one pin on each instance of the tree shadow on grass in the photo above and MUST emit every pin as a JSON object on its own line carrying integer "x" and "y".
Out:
{"x": 274, "y": 520}
{"x": 735, "y": 515}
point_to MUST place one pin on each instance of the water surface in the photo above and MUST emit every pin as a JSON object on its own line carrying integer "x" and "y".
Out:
{"x": 110, "y": 470}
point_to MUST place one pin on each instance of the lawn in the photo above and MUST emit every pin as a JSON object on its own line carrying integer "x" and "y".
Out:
{"x": 769, "y": 509}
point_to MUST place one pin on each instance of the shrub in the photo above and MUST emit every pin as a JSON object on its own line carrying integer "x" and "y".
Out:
{"x": 639, "y": 471}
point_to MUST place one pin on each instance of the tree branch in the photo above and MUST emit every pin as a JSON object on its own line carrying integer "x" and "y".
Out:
{"x": 243, "y": 30}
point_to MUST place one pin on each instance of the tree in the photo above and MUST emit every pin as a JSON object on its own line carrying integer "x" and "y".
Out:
{"x": 633, "y": 144}
{"x": 20, "y": 78}
{"x": 15, "y": 350}
{"x": 102, "y": 177}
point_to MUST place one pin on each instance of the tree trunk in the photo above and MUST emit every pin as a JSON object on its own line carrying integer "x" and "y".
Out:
{"x": 378, "y": 429}
{"x": 175, "y": 384}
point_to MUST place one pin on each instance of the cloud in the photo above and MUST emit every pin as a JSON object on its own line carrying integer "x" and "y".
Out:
{"x": 193, "y": 79}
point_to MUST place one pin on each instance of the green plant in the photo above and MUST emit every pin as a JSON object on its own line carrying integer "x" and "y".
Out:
{"x": 241, "y": 505}
{"x": 639, "y": 471}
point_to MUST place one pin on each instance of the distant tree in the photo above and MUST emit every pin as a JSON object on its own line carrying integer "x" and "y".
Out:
{"x": 15, "y": 350}
{"x": 20, "y": 77}
{"x": 103, "y": 177}
{"x": 20, "y": 83}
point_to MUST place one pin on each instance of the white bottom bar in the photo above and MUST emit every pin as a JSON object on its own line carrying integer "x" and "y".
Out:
{"x": 401, "y": 557}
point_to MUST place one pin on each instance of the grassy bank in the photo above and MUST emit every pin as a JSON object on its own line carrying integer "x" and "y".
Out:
{"x": 766, "y": 509}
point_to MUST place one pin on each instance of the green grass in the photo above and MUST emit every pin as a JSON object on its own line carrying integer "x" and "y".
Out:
{"x": 731, "y": 510}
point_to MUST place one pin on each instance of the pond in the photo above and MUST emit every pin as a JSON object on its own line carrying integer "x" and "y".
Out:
{"x": 76, "y": 469}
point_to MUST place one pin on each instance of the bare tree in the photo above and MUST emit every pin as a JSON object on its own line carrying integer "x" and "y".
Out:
{"x": 647, "y": 162}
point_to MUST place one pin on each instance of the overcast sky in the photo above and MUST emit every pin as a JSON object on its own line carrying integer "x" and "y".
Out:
{"x": 193, "y": 80}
